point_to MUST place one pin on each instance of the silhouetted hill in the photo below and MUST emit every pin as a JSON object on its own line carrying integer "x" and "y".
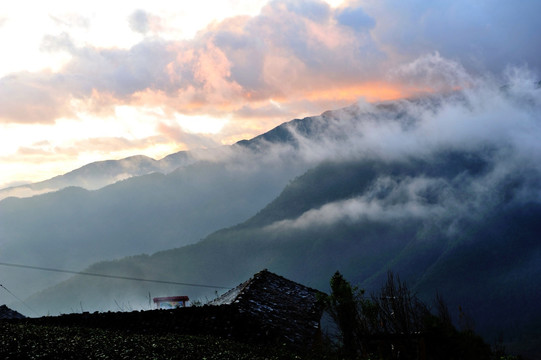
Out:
{"x": 442, "y": 190}
{"x": 483, "y": 260}
{"x": 73, "y": 228}
{"x": 210, "y": 189}
{"x": 7, "y": 313}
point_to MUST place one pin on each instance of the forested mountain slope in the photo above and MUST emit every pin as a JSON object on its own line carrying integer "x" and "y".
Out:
{"x": 443, "y": 190}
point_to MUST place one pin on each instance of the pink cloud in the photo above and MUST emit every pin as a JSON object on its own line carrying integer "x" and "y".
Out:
{"x": 189, "y": 140}
{"x": 283, "y": 52}
{"x": 32, "y": 98}
{"x": 292, "y": 59}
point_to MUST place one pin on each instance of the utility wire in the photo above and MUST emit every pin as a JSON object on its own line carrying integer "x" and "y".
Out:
{"x": 111, "y": 276}
{"x": 18, "y": 298}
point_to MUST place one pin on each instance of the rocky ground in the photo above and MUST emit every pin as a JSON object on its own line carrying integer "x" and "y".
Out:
{"x": 28, "y": 341}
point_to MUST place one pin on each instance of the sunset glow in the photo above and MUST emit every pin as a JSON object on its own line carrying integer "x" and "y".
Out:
{"x": 370, "y": 92}
{"x": 86, "y": 82}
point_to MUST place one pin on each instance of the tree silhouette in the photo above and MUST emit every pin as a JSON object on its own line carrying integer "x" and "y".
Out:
{"x": 395, "y": 324}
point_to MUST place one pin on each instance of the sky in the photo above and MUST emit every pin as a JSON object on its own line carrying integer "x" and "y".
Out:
{"x": 88, "y": 81}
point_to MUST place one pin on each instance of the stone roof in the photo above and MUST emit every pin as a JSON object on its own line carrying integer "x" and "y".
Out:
{"x": 279, "y": 304}
{"x": 7, "y": 313}
{"x": 265, "y": 309}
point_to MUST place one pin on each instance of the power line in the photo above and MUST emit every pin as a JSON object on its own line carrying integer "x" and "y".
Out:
{"x": 18, "y": 298}
{"x": 112, "y": 276}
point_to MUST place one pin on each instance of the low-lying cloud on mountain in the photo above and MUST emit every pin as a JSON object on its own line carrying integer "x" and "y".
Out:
{"x": 498, "y": 123}
{"x": 415, "y": 184}
{"x": 484, "y": 113}
{"x": 386, "y": 201}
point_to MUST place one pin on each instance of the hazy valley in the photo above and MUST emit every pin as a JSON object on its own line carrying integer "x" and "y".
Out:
{"x": 444, "y": 190}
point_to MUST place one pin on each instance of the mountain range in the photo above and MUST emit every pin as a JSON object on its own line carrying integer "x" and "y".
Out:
{"x": 99, "y": 174}
{"x": 444, "y": 190}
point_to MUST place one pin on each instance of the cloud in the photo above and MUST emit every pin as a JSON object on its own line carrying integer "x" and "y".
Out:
{"x": 138, "y": 21}
{"x": 115, "y": 144}
{"x": 479, "y": 115}
{"x": 493, "y": 125}
{"x": 33, "y": 98}
{"x": 293, "y": 59}
{"x": 62, "y": 42}
{"x": 286, "y": 50}
{"x": 355, "y": 18}
{"x": 482, "y": 35}
{"x": 47, "y": 152}
{"x": 432, "y": 73}
{"x": 190, "y": 140}
{"x": 119, "y": 72}
{"x": 104, "y": 77}
{"x": 143, "y": 22}
{"x": 70, "y": 20}
{"x": 371, "y": 207}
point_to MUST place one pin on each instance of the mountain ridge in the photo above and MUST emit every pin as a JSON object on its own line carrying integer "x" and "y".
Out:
{"x": 444, "y": 191}
{"x": 98, "y": 174}
{"x": 140, "y": 214}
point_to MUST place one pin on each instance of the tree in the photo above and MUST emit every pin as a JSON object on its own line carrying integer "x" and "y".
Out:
{"x": 395, "y": 324}
{"x": 398, "y": 310}
{"x": 342, "y": 306}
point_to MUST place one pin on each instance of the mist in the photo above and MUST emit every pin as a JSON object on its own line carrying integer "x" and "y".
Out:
{"x": 493, "y": 121}
{"x": 496, "y": 119}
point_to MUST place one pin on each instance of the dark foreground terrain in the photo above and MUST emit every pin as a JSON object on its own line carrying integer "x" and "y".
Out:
{"x": 28, "y": 341}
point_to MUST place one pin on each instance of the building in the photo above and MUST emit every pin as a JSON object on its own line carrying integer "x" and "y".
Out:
{"x": 267, "y": 309}
{"x": 281, "y": 308}
{"x": 170, "y": 302}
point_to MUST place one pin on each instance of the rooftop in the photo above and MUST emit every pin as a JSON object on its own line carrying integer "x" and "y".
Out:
{"x": 279, "y": 304}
